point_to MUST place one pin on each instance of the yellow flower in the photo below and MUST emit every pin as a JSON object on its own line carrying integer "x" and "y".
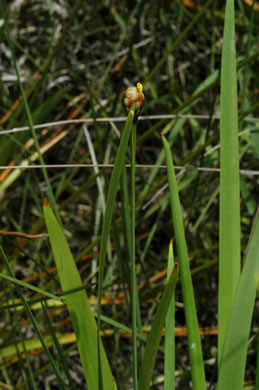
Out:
{"x": 133, "y": 96}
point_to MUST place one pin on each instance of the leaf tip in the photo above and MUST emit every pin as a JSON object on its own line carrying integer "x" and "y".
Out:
{"x": 46, "y": 203}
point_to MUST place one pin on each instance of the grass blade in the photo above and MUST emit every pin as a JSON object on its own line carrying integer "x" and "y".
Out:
{"x": 58, "y": 347}
{"x": 233, "y": 359}
{"x": 257, "y": 366}
{"x": 33, "y": 321}
{"x": 31, "y": 287}
{"x": 194, "y": 342}
{"x": 112, "y": 191}
{"x": 28, "y": 113}
{"x": 169, "y": 333}
{"x": 229, "y": 230}
{"x": 80, "y": 311}
{"x": 154, "y": 337}
{"x": 113, "y": 187}
{"x": 177, "y": 42}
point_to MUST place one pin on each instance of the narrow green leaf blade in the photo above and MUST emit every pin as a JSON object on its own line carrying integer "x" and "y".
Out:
{"x": 111, "y": 197}
{"x": 80, "y": 311}
{"x": 257, "y": 367}
{"x": 233, "y": 359}
{"x": 229, "y": 230}
{"x": 33, "y": 321}
{"x": 169, "y": 333}
{"x": 113, "y": 187}
{"x": 147, "y": 367}
{"x": 31, "y": 287}
{"x": 194, "y": 341}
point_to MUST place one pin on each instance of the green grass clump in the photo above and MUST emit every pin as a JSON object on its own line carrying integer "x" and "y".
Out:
{"x": 90, "y": 296}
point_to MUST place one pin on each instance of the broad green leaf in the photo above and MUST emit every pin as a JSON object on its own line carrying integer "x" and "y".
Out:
{"x": 79, "y": 308}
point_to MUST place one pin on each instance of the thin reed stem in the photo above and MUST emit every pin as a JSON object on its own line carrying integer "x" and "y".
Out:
{"x": 133, "y": 264}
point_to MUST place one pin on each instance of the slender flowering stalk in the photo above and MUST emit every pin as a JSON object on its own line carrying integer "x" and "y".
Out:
{"x": 110, "y": 202}
{"x": 133, "y": 99}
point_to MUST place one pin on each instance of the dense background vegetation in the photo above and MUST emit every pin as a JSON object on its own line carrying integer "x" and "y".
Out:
{"x": 74, "y": 61}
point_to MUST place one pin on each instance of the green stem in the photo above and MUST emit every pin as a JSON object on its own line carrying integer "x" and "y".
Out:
{"x": 111, "y": 197}
{"x": 133, "y": 265}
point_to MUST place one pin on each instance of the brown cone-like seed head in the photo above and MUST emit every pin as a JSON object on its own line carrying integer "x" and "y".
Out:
{"x": 133, "y": 96}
